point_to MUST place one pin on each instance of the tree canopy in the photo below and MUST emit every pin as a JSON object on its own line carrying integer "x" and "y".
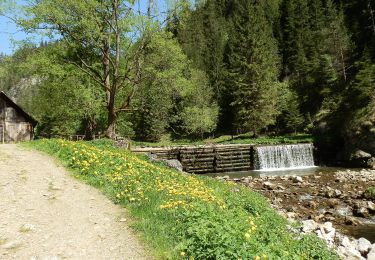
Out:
{"x": 211, "y": 67}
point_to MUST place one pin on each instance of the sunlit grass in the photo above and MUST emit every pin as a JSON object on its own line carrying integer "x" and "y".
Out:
{"x": 185, "y": 217}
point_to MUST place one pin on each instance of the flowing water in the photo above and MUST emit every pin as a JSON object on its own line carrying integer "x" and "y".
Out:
{"x": 278, "y": 172}
{"x": 282, "y": 157}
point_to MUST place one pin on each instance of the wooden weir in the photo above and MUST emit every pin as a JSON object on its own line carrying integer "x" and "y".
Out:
{"x": 207, "y": 159}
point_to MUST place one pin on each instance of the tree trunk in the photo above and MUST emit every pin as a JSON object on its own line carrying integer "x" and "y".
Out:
{"x": 111, "y": 124}
{"x": 343, "y": 63}
{"x": 90, "y": 129}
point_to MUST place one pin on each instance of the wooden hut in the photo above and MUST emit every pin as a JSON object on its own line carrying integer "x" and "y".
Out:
{"x": 15, "y": 124}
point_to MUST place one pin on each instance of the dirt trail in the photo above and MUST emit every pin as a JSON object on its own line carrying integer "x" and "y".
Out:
{"x": 46, "y": 214}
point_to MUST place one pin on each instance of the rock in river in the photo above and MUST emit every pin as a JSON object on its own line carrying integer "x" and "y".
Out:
{"x": 371, "y": 254}
{"x": 268, "y": 185}
{"x": 361, "y": 212}
{"x": 297, "y": 179}
{"x": 363, "y": 246}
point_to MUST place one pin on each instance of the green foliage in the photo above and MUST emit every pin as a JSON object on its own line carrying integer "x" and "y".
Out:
{"x": 195, "y": 112}
{"x": 13, "y": 71}
{"x": 183, "y": 217}
{"x": 360, "y": 116}
{"x": 229, "y": 139}
{"x": 172, "y": 92}
{"x": 218, "y": 66}
{"x": 76, "y": 100}
{"x": 316, "y": 48}
{"x": 370, "y": 193}
{"x": 290, "y": 118}
{"x": 363, "y": 85}
{"x": 98, "y": 35}
{"x": 253, "y": 64}
{"x": 162, "y": 77}
{"x": 203, "y": 34}
{"x": 197, "y": 121}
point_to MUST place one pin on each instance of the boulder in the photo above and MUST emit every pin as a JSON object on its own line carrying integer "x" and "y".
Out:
{"x": 371, "y": 254}
{"x": 360, "y": 158}
{"x": 152, "y": 157}
{"x": 328, "y": 227}
{"x": 312, "y": 204}
{"x": 337, "y": 193}
{"x": 318, "y": 218}
{"x": 351, "y": 221}
{"x": 371, "y": 206}
{"x": 309, "y": 226}
{"x": 361, "y": 212}
{"x": 363, "y": 246}
{"x": 371, "y": 163}
{"x": 332, "y": 193}
{"x": 297, "y": 179}
{"x": 247, "y": 180}
{"x": 333, "y": 203}
{"x": 346, "y": 248}
{"x": 360, "y": 155}
{"x": 280, "y": 187}
{"x": 268, "y": 185}
{"x": 343, "y": 241}
{"x": 291, "y": 215}
{"x": 176, "y": 164}
{"x": 327, "y": 233}
{"x": 349, "y": 253}
{"x": 122, "y": 143}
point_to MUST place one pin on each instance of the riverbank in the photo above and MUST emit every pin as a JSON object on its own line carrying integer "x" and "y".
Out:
{"x": 184, "y": 216}
{"x": 344, "y": 198}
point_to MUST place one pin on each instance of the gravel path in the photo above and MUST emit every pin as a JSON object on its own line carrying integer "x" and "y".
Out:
{"x": 47, "y": 214}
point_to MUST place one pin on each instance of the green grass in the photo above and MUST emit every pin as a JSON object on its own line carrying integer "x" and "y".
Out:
{"x": 185, "y": 217}
{"x": 370, "y": 193}
{"x": 227, "y": 139}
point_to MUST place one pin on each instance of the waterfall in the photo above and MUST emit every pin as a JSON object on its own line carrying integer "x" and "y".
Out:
{"x": 278, "y": 157}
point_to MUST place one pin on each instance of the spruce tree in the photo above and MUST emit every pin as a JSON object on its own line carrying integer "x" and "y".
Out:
{"x": 203, "y": 33}
{"x": 253, "y": 64}
{"x": 315, "y": 46}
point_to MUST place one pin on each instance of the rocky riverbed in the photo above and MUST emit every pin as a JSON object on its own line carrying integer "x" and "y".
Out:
{"x": 338, "y": 206}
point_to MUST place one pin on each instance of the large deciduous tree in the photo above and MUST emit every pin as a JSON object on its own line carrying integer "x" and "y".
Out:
{"x": 173, "y": 96}
{"x": 103, "y": 41}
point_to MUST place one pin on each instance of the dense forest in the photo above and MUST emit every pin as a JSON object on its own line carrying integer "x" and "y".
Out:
{"x": 208, "y": 68}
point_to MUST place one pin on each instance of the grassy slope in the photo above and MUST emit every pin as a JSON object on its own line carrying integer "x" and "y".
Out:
{"x": 185, "y": 217}
{"x": 226, "y": 139}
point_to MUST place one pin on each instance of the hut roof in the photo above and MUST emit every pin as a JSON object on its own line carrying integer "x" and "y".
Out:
{"x": 18, "y": 108}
